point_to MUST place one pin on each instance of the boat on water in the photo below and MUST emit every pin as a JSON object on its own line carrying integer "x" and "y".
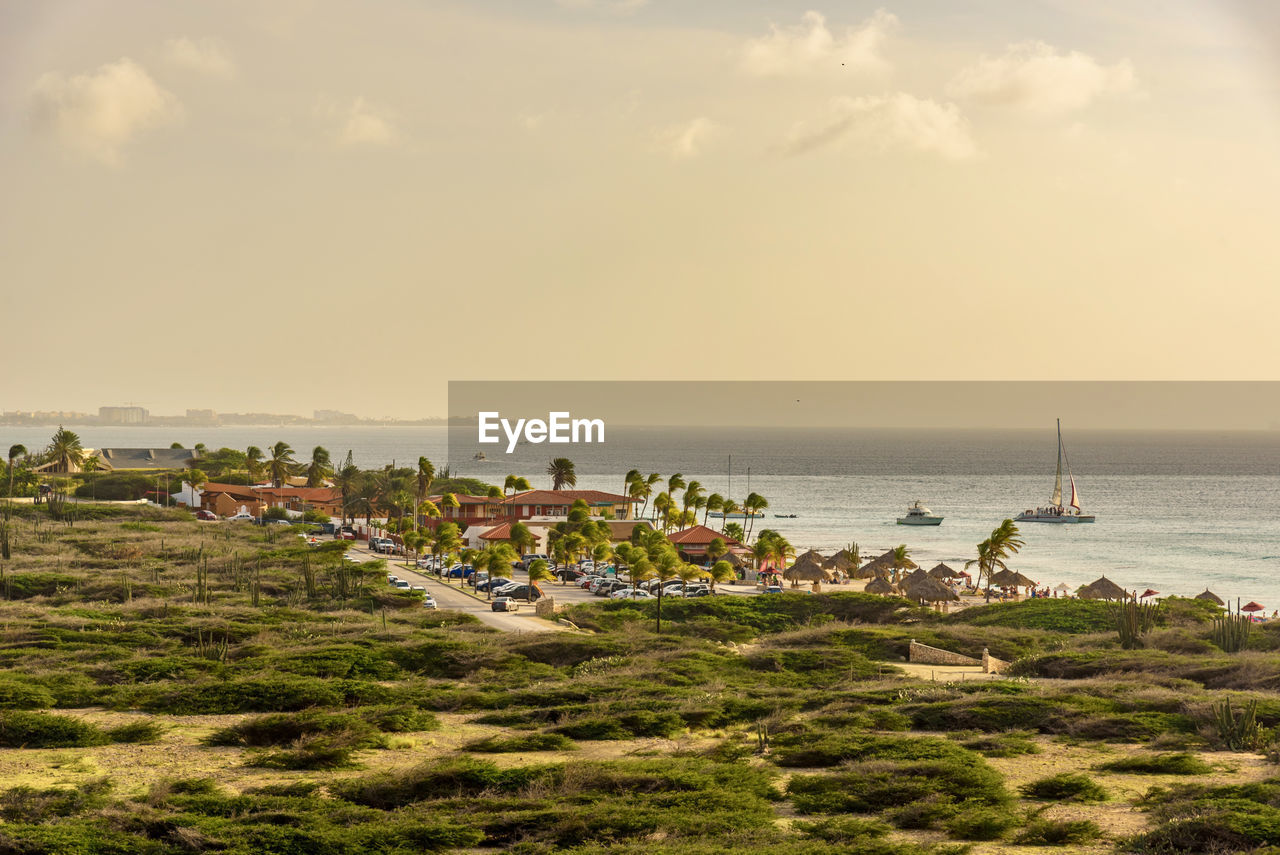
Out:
{"x": 785, "y": 516}
{"x": 1055, "y": 511}
{"x": 737, "y": 515}
{"x": 918, "y": 514}
{"x": 479, "y": 456}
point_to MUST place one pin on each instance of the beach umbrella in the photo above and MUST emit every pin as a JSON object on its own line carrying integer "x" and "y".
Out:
{"x": 927, "y": 589}
{"x": 1148, "y": 593}
{"x": 1253, "y": 607}
{"x": 806, "y": 572}
{"x": 1206, "y": 594}
{"x": 1062, "y": 586}
{"x": 1103, "y": 589}
{"x": 840, "y": 561}
{"x": 942, "y": 571}
{"x": 1004, "y": 579}
{"x": 881, "y": 585}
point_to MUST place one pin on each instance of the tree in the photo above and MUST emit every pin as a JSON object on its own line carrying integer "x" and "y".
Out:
{"x": 14, "y": 452}
{"x": 754, "y": 505}
{"x": 675, "y": 482}
{"x": 648, "y": 483}
{"x": 65, "y": 450}
{"x": 665, "y": 568}
{"x": 562, "y": 474}
{"x": 715, "y": 502}
{"x": 716, "y": 550}
{"x": 781, "y": 550}
{"x": 197, "y": 479}
{"x": 447, "y": 541}
{"x": 692, "y": 493}
{"x": 521, "y": 538}
{"x": 346, "y": 478}
{"x": 721, "y": 571}
{"x": 632, "y": 476}
{"x": 733, "y": 530}
{"x": 320, "y": 467}
{"x": 449, "y": 500}
{"x": 422, "y": 484}
{"x": 901, "y": 561}
{"x": 729, "y": 507}
{"x": 253, "y": 463}
{"x": 200, "y": 448}
{"x": 539, "y": 571}
{"x": 281, "y": 464}
{"x": 501, "y": 557}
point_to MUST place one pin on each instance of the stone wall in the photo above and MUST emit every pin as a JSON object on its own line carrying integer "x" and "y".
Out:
{"x": 992, "y": 665}
{"x": 545, "y": 607}
{"x": 926, "y": 655}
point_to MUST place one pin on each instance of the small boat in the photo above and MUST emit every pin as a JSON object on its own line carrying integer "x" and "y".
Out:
{"x": 785, "y": 516}
{"x": 918, "y": 514}
{"x": 1055, "y": 511}
{"x": 737, "y": 515}
{"x": 479, "y": 455}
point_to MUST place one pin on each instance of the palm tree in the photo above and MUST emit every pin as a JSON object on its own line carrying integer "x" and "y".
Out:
{"x": 14, "y": 452}
{"x": 281, "y": 464}
{"x": 721, "y": 571}
{"x": 734, "y": 530}
{"x": 562, "y": 474}
{"x": 666, "y": 567}
{"x": 662, "y": 507}
{"x": 901, "y": 561}
{"x": 197, "y": 479}
{"x": 345, "y": 479}
{"x": 649, "y": 481}
{"x": 729, "y": 507}
{"x": 65, "y": 449}
{"x": 715, "y": 502}
{"x": 692, "y": 492}
{"x": 539, "y": 571}
{"x": 632, "y": 476}
{"x": 521, "y": 538}
{"x": 675, "y": 482}
{"x": 253, "y": 459}
{"x": 426, "y": 474}
{"x": 754, "y": 504}
{"x": 510, "y": 484}
{"x": 320, "y": 467}
{"x": 716, "y": 550}
{"x": 449, "y": 500}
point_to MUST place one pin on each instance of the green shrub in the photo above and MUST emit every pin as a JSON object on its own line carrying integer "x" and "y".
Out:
{"x": 1002, "y": 745}
{"x": 525, "y": 742}
{"x": 328, "y": 750}
{"x": 287, "y": 728}
{"x": 843, "y": 829}
{"x": 399, "y": 719}
{"x": 1065, "y": 787}
{"x": 1058, "y": 832}
{"x": 1074, "y": 617}
{"x": 980, "y": 822}
{"x": 26, "y": 804}
{"x": 1158, "y": 764}
{"x": 451, "y": 778}
{"x": 807, "y": 750}
{"x": 18, "y": 694}
{"x": 922, "y": 814}
{"x": 20, "y": 729}
{"x": 866, "y": 787}
{"x": 136, "y": 732}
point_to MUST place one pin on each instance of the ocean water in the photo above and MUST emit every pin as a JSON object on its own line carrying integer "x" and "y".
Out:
{"x": 1177, "y": 511}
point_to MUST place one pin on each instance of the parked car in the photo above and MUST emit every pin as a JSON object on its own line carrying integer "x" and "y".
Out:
{"x": 521, "y": 592}
{"x": 422, "y": 588}
{"x": 773, "y": 589}
{"x": 345, "y": 534}
{"x": 505, "y": 587}
{"x": 526, "y": 560}
{"x": 400, "y": 585}
{"x": 242, "y": 517}
{"x": 278, "y": 522}
{"x": 206, "y": 515}
{"x": 630, "y": 594}
{"x": 568, "y": 575}
{"x": 429, "y": 602}
{"x": 392, "y": 578}
{"x": 506, "y": 604}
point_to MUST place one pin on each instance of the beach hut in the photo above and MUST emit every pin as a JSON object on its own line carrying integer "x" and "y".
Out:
{"x": 881, "y": 585}
{"x": 927, "y": 589}
{"x": 806, "y": 571}
{"x": 1206, "y": 594}
{"x": 1103, "y": 589}
{"x": 944, "y": 572}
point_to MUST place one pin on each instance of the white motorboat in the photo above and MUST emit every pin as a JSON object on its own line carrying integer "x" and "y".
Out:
{"x": 918, "y": 514}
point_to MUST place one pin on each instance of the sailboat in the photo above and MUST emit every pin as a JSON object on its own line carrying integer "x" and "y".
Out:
{"x": 1056, "y": 512}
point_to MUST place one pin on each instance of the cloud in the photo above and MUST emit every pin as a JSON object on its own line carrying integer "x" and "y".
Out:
{"x": 810, "y": 47}
{"x": 890, "y": 122}
{"x": 359, "y": 124}
{"x": 687, "y": 140}
{"x": 205, "y": 57}
{"x": 98, "y": 113}
{"x": 1035, "y": 77}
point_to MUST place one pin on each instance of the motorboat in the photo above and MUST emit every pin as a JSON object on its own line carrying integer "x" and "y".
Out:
{"x": 918, "y": 514}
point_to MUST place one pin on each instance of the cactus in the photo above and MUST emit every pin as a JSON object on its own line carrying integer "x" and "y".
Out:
{"x": 1240, "y": 731}
{"x": 1134, "y": 620}
{"x": 1231, "y": 632}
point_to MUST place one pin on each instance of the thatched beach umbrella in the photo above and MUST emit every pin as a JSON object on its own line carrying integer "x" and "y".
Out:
{"x": 942, "y": 571}
{"x": 811, "y": 557}
{"x": 1206, "y": 594}
{"x": 881, "y": 585}
{"x": 1103, "y": 589}
{"x": 1062, "y": 586}
{"x": 840, "y": 561}
{"x": 1020, "y": 581}
{"x": 806, "y": 572}
{"x": 927, "y": 589}
{"x": 1003, "y": 579}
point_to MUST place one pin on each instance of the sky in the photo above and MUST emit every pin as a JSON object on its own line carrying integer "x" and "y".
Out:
{"x": 316, "y": 204}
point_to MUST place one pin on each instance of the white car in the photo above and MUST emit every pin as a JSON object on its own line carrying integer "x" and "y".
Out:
{"x": 429, "y": 602}
{"x": 630, "y": 594}
{"x": 422, "y": 588}
{"x": 240, "y": 518}
{"x": 400, "y": 585}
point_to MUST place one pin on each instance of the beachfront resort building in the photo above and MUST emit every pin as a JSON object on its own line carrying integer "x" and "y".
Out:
{"x": 485, "y": 511}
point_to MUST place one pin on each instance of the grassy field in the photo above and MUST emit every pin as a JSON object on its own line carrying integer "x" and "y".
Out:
{"x": 174, "y": 687}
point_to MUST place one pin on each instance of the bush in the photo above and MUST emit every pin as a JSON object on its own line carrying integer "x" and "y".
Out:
{"x": 980, "y": 822}
{"x": 136, "y": 732}
{"x": 42, "y": 730}
{"x": 867, "y": 787}
{"x": 461, "y": 777}
{"x": 843, "y": 829}
{"x": 23, "y": 695}
{"x": 1065, "y": 787}
{"x": 1002, "y": 745}
{"x": 1074, "y": 617}
{"x": 525, "y": 742}
{"x": 1058, "y": 832}
{"x": 1159, "y": 764}
{"x": 288, "y": 728}
{"x": 329, "y": 750}
{"x": 807, "y": 750}
{"x": 26, "y": 804}
{"x": 399, "y": 719}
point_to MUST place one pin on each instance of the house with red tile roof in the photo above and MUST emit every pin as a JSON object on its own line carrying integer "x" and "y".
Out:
{"x": 693, "y": 542}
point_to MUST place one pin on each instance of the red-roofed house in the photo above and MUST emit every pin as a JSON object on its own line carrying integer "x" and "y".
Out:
{"x": 556, "y": 503}
{"x": 326, "y": 500}
{"x": 693, "y": 542}
{"x": 227, "y": 499}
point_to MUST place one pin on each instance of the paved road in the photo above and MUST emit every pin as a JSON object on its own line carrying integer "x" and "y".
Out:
{"x": 448, "y": 596}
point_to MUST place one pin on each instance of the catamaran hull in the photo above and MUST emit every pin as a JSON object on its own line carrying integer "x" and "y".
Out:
{"x": 1053, "y": 518}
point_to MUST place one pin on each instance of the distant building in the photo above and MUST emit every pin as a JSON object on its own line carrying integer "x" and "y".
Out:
{"x": 122, "y": 415}
{"x": 207, "y": 416}
{"x": 335, "y": 417}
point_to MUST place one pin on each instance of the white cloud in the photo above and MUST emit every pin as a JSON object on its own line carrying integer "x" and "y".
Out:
{"x": 205, "y": 56}
{"x": 687, "y": 140}
{"x": 891, "y": 122}
{"x": 1035, "y": 77}
{"x": 358, "y": 124}
{"x": 100, "y": 112}
{"x": 810, "y": 47}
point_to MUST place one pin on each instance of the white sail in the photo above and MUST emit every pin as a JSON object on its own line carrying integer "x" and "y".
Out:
{"x": 1075, "y": 497}
{"x": 1056, "y": 501}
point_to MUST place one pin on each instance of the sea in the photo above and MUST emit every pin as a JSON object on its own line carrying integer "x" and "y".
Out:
{"x": 1177, "y": 511}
